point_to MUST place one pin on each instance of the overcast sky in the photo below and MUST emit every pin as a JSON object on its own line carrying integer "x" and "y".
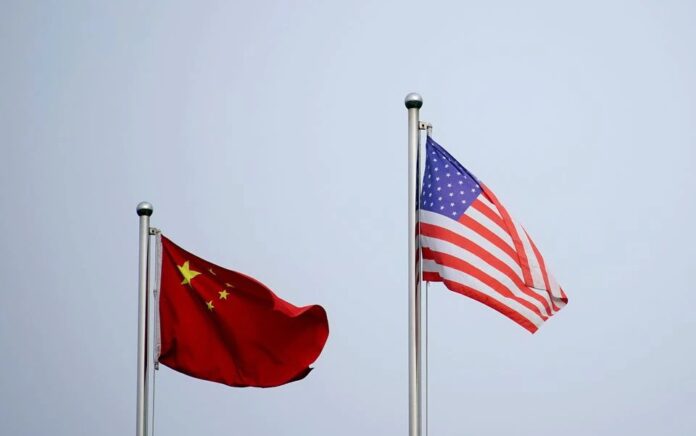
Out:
{"x": 271, "y": 139}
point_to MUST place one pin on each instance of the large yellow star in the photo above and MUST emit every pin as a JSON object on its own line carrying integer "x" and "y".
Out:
{"x": 187, "y": 273}
{"x": 210, "y": 305}
{"x": 223, "y": 294}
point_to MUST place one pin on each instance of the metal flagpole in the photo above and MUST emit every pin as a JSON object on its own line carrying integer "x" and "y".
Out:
{"x": 144, "y": 210}
{"x": 413, "y": 103}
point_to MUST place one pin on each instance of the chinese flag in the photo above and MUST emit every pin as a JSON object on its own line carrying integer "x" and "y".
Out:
{"x": 223, "y": 326}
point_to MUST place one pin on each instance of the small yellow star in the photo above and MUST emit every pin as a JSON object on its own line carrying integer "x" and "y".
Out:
{"x": 210, "y": 305}
{"x": 223, "y": 294}
{"x": 229, "y": 286}
{"x": 187, "y": 273}
{"x": 210, "y": 270}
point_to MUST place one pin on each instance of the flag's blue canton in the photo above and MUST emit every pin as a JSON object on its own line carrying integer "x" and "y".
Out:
{"x": 448, "y": 188}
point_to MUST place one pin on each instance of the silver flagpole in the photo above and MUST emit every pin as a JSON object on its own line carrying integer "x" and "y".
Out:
{"x": 413, "y": 103}
{"x": 144, "y": 210}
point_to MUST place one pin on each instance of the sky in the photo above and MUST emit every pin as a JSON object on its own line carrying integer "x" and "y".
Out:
{"x": 271, "y": 139}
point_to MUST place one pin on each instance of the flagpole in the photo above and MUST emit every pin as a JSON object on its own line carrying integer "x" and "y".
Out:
{"x": 144, "y": 210}
{"x": 413, "y": 103}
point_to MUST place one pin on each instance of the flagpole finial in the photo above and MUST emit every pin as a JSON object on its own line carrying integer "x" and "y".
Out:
{"x": 413, "y": 100}
{"x": 144, "y": 208}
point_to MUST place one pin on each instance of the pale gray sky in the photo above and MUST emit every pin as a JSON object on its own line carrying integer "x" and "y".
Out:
{"x": 271, "y": 139}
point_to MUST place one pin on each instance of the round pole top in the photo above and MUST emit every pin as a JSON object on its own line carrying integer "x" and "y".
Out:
{"x": 413, "y": 100}
{"x": 144, "y": 208}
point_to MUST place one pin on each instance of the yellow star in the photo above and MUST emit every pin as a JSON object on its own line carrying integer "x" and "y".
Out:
{"x": 211, "y": 271}
{"x": 223, "y": 294}
{"x": 187, "y": 273}
{"x": 229, "y": 286}
{"x": 210, "y": 305}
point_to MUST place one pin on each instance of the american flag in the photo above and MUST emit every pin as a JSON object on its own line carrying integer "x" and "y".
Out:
{"x": 471, "y": 243}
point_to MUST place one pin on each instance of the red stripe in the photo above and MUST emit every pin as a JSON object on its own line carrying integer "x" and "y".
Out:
{"x": 486, "y": 233}
{"x": 519, "y": 247}
{"x": 467, "y": 268}
{"x": 483, "y": 298}
{"x": 544, "y": 274}
{"x": 489, "y": 213}
{"x": 433, "y": 231}
{"x": 430, "y": 276}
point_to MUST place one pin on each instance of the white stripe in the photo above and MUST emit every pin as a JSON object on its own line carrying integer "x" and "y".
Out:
{"x": 442, "y": 246}
{"x": 537, "y": 273}
{"x": 534, "y": 267}
{"x": 555, "y": 291}
{"x": 441, "y": 221}
{"x": 467, "y": 280}
{"x": 467, "y": 233}
{"x": 490, "y": 225}
{"x": 482, "y": 198}
{"x": 499, "y": 254}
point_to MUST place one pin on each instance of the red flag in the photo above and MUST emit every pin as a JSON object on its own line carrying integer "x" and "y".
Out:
{"x": 223, "y": 326}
